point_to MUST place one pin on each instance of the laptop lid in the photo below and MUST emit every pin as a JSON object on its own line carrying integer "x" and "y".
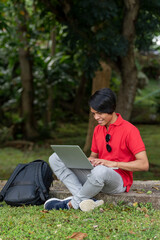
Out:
{"x": 72, "y": 156}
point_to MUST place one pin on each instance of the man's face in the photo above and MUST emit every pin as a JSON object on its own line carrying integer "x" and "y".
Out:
{"x": 103, "y": 119}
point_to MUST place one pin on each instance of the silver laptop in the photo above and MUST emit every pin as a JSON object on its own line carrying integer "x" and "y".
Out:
{"x": 72, "y": 156}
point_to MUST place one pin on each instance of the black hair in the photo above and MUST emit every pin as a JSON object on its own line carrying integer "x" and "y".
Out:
{"x": 103, "y": 100}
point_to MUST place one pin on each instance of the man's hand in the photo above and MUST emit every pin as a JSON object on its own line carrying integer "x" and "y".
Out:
{"x": 96, "y": 161}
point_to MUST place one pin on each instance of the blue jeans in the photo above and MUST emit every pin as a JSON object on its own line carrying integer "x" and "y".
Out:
{"x": 85, "y": 184}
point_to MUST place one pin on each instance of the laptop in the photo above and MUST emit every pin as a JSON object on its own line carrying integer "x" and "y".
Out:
{"x": 72, "y": 156}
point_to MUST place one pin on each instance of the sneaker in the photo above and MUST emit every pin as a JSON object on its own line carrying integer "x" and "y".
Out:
{"x": 90, "y": 204}
{"x": 55, "y": 203}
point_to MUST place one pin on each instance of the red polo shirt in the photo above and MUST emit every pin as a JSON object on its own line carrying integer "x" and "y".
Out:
{"x": 125, "y": 142}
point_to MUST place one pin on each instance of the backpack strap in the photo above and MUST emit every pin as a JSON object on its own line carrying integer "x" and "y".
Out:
{"x": 39, "y": 179}
{"x": 10, "y": 180}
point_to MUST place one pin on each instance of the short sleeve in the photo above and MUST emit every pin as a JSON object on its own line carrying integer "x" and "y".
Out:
{"x": 134, "y": 141}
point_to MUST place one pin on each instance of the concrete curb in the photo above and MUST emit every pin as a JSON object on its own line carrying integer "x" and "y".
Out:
{"x": 140, "y": 192}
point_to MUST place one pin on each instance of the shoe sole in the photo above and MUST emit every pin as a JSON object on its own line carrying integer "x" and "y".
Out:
{"x": 60, "y": 200}
{"x": 89, "y": 204}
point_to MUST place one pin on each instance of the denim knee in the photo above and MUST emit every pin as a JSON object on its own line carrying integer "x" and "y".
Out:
{"x": 99, "y": 175}
{"x": 58, "y": 167}
{"x": 55, "y": 163}
{"x": 53, "y": 159}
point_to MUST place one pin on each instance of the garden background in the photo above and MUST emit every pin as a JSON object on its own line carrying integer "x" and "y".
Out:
{"x": 53, "y": 56}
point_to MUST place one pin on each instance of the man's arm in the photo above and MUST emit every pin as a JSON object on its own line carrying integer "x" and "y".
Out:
{"x": 139, "y": 164}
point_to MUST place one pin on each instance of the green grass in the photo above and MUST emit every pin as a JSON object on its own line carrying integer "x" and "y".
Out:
{"x": 151, "y": 138}
{"x": 11, "y": 157}
{"x": 150, "y": 135}
{"x": 108, "y": 222}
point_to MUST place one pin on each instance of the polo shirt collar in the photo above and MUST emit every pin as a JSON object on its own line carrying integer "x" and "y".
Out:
{"x": 119, "y": 120}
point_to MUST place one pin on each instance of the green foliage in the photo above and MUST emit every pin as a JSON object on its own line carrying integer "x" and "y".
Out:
{"x": 157, "y": 99}
{"x": 148, "y": 24}
{"x": 86, "y": 32}
{"x": 146, "y": 106}
{"x": 93, "y": 33}
{"x": 59, "y": 72}
{"x": 97, "y": 34}
{"x": 10, "y": 91}
{"x": 5, "y": 134}
{"x": 3, "y": 7}
{"x": 115, "y": 82}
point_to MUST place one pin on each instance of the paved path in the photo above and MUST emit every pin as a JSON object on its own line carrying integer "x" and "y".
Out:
{"x": 140, "y": 192}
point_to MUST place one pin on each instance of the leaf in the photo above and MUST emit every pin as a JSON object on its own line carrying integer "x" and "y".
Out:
{"x": 22, "y": 13}
{"x": 78, "y": 235}
{"x": 140, "y": 191}
{"x": 131, "y": 232}
{"x": 101, "y": 210}
{"x": 95, "y": 226}
{"x": 144, "y": 209}
{"x": 88, "y": 219}
{"x": 149, "y": 192}
{"x": 135, "y": 204}
{"x": 156, "y": 188}
{"x": 44, "y": 211}
{"x": 59, "y": 225}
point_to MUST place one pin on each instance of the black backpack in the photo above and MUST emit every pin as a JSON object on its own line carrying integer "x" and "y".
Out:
{"x": 28, "y": 185}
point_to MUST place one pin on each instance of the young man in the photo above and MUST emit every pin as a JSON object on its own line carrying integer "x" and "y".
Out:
{"x": 117, "y": 151}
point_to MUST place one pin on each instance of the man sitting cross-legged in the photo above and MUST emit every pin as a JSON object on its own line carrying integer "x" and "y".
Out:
{"x": 117, "y": 151}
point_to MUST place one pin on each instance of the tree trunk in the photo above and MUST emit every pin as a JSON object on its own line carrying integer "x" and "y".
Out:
{"x": 49, "y": 86}
{"x": 101, "y": 80}
{"x": 79, "y": 95}
{"x": 27, "y": 94}
{"x": 26, "y": 79}
{"x": 129, "y": 81}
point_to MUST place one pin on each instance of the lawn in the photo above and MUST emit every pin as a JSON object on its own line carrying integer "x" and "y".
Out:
{"x": 151, "y": 137}
{"x": 106, "y": 222}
